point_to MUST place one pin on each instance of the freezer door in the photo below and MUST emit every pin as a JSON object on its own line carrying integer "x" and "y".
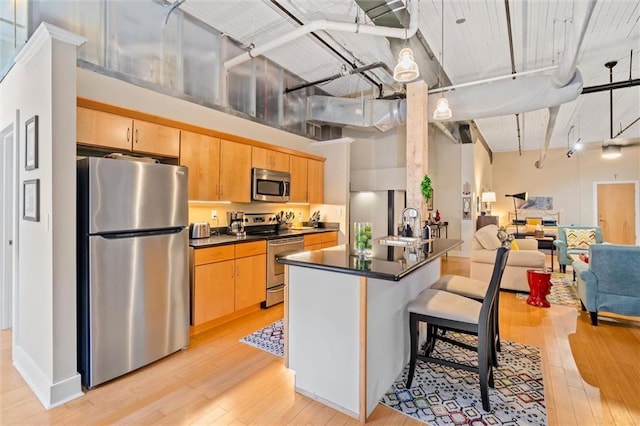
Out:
{"x": 130, "y": 195}
{"x": 139, "y": 302}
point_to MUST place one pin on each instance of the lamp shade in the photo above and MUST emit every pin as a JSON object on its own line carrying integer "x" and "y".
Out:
{"x": 520, "y": 196}
{"x": 611, "y": 151}
{"x": 488, "y": 197}
{"x": 407, "y": 69}
{"x": 442, "y": 111}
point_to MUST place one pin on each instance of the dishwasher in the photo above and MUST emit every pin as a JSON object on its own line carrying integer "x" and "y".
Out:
{"x": 277, "y": 247}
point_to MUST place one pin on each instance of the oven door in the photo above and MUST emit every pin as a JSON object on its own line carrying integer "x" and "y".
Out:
{"x": 280, "y": 247}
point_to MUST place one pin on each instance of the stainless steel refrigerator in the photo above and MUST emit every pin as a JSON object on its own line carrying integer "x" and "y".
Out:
{"x": 133, "y": 283}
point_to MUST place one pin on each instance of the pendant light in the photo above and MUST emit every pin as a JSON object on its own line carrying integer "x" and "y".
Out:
{"x": 406, "y": 69}
{"x": 442, "y": 111}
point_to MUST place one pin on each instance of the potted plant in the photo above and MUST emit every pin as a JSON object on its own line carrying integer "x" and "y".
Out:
{"x": 426, "y": 188}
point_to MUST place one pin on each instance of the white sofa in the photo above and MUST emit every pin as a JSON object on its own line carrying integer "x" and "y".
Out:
{"x": 484, "y": 246}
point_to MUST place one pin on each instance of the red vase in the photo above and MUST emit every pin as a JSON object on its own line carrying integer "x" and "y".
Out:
{"x": 539, "y": 286}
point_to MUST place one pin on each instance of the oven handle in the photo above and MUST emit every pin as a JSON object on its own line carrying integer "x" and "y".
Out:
{"x": 285, "y": 241}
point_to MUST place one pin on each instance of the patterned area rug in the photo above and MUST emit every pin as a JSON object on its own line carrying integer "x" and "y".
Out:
{"x": 269, "y": 339}
{"x": 445, "y": 396}
{"x": 563, "y": 290}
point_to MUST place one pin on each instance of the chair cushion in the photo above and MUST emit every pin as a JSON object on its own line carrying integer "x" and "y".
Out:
{"x": 463, "y": 286}
{"x": 580, "y": 238}
{"x": 442, "y": 304}
{"x": 487, "y": 236}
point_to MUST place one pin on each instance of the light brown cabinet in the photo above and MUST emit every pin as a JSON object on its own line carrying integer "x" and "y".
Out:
{"x": 298, "y": 170}
{"x": 269, "y": 159}
{"x": 235, "y": 172}
{"x": 228, "y": 279}
{"x": 107, "y": 130}
{"x": 214, "y": 284}
{"x": 315, "y": 181}
{"x": 320, "y": 240}
{"x": 251, "y": 274}
{"x": 201, "y": 154}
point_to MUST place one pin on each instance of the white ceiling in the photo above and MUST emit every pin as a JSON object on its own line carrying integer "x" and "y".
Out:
{"x": 474, "y": 50}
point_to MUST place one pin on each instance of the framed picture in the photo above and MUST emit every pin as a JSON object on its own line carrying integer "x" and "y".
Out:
{"x": 430, "y": 202}
{"x": 31, "y": 145}
{"x": 31, "y": 201}
{"x": 466, "y": 208}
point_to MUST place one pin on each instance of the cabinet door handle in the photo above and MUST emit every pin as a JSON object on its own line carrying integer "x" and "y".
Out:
{"x": 136, "y": 135}
{"x": 128, "y": 134}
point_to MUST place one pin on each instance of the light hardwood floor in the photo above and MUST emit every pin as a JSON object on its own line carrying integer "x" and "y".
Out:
{"x": 591, "y": 377}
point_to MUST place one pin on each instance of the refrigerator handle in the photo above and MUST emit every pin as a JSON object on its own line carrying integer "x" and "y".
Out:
{"x": 117, "y": 235}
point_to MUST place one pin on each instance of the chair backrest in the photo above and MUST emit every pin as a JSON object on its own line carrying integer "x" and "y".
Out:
{"x": 617, "y": 268}
{"x": 562, "y": 232}
{"x": 491, "y": 297}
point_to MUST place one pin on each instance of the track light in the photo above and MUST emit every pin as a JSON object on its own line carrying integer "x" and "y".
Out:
{"x": 577, "y": 146}
{"x": 406, "y": 69}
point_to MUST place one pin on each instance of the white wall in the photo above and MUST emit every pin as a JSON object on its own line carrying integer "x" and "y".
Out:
{"x": 568, "y": 180}
{"x": 42, "y": 83}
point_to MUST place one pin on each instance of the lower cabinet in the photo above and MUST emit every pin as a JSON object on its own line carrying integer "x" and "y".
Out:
{"x": 320, "y": 240}
{"x": 228, "y": 279}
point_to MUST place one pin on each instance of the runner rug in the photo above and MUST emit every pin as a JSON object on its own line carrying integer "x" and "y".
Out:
{"x": 446, "y": 396}
{"x": 563, "y": 290}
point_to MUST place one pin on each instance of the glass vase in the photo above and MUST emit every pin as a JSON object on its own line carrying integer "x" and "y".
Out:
{"x": 362, "y": 239}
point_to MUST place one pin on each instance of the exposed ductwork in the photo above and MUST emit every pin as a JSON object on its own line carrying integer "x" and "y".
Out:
{"x": 324, "y": 25}
{"x": 357, "y": 112}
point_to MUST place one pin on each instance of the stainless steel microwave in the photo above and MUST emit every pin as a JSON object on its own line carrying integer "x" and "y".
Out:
{"x": 270, "y": 185}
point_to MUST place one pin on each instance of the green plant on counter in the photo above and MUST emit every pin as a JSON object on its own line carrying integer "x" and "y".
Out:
{"x": 426, "y": 188}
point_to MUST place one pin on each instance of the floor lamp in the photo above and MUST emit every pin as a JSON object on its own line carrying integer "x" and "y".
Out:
{"x": 520, "y": 196}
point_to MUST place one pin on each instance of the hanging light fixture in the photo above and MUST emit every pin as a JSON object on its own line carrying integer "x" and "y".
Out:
{"x": 611, "y": 151}
{"x": 406, "y": 69}
{"x": 442, "y": 111}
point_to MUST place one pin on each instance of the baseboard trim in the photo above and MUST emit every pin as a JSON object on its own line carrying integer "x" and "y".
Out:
{"x": 50, "y": 394}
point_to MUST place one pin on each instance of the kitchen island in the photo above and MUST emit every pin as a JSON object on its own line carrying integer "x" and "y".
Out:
{"x": 346, "y": 323}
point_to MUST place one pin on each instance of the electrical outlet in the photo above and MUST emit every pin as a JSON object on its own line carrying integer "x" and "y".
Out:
{"x": 214, "y": 214}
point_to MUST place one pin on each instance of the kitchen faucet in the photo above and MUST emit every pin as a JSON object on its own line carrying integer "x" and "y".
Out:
{"x": 410, "y": 217}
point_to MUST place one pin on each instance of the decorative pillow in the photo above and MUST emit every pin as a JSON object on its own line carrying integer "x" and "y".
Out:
{"x": 580, "y": 238}
{"x": 488, "y": 238}
{"x": 530, "y": 229}
{"x": 533, "y": 221}
{"x": 549, "y": 222}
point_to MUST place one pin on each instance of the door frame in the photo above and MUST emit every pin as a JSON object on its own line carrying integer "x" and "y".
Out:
{"x": 636, "y": 184}
{"x": 9, "y": 161}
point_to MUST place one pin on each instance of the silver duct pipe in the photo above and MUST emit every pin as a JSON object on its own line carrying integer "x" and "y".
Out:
{"x": 565, "y": 72}
{"x": 324, "y": 25}
{"x": 553, "y": 114}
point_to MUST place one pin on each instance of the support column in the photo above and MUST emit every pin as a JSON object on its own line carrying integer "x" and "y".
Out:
{"x": 417, "y": 143}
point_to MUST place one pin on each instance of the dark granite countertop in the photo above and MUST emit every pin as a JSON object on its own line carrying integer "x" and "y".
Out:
{"x": 387, "y": 262}
{"x": 223, "y": 239}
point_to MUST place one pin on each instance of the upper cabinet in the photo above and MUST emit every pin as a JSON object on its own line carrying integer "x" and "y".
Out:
{"x": 298, "y": 169}
{"x": 201, "y": 154}
{"x": 235, "y": 171}
{"x": 315, "y": 181}
{"x": 269, "y": 159}
{"x": 107, "y": 130}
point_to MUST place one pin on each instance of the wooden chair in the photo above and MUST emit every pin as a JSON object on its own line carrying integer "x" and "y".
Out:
{"x": 448, "y": 311}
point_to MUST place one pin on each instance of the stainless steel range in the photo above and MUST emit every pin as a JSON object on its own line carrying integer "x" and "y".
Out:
{"x": 277, "y": 245}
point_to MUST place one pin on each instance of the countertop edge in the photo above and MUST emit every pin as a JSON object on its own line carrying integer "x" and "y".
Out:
{"x": 369, "y": 274}
{"x": 224, "y": 239}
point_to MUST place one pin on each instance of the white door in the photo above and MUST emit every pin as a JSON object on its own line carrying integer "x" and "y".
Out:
{"x": 7, "y": 219}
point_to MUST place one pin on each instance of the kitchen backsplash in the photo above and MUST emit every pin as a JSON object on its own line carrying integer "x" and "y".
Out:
{"x": 201, "y": 212}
